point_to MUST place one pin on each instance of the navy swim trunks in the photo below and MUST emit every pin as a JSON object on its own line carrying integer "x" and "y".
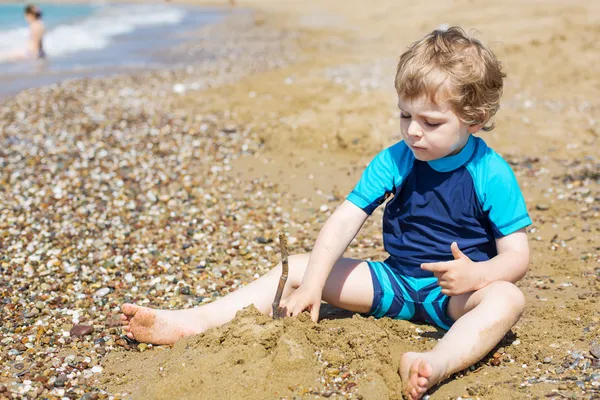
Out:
{"x": 417, "y": 299}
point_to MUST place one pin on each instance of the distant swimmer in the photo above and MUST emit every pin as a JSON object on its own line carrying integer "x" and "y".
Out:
{"x": 34, "y": 49}
{"x": 35, "y": 45}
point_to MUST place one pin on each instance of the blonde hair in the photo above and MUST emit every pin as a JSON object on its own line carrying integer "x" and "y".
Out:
{"x": 449, "y": 65}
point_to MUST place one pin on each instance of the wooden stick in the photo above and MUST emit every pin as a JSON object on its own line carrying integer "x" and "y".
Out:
{"x": 284, "y": 275}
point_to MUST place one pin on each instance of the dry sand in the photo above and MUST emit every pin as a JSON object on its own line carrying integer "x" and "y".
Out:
{"x": 321, "y": 119}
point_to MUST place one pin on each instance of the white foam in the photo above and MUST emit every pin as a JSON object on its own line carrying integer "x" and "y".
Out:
{"x": 93, "y": 32}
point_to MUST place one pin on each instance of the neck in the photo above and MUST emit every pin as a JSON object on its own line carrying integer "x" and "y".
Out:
{"x": 460, "y": 146}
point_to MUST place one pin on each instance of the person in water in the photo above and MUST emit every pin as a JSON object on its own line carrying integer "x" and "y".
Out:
{"x": 453, "y": 226}
{"x": 35, "y": 44}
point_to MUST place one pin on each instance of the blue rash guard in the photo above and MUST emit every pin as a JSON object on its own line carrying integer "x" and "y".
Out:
{"x": 471, "y": 198}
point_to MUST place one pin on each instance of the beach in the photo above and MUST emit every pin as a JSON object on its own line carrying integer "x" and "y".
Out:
{"x": 168, "y": 187}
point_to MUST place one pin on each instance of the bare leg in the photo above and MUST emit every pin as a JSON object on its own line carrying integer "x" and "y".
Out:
{"x": 345, "y": 288}
{"x": 482, "y": 319}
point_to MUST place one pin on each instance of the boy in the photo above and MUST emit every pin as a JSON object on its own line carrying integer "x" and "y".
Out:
{"x": 454, "y": 227}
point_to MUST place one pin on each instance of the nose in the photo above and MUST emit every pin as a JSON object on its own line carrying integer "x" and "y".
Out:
{"x": 414, "y": 129}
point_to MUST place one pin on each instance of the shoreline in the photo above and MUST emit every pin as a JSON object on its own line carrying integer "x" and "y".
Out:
{"x": 137, "y": 49}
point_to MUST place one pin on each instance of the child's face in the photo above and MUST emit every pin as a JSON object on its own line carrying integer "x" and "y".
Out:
{"x": 432, "y": 130}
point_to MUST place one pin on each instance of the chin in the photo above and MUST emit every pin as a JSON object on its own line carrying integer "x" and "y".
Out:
{"x": 424, "y": 156}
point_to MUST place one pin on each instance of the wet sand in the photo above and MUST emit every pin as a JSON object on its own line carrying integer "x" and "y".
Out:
{"x": 169, "y": 189}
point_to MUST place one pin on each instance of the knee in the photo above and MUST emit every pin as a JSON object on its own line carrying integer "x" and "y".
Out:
{"x": 507, "y": 294}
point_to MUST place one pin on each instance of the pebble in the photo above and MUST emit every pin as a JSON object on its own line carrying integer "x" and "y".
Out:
{"x": 186, "y": 291}
{"x": 102, "y": 292}
{"x": 61, "y": 381}
{"x": 595, "y": 350}
{"x": 81, "y": 330}
{"x": 31, "y": 313}
{"x": 97, "y": 369}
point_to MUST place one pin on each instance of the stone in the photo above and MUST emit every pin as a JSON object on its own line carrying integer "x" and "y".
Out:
{"x": 102, "y": 292}
{"x": 60, "y": 381}
{"x": 81, "y": 330}
{"x": 595, "y": 350}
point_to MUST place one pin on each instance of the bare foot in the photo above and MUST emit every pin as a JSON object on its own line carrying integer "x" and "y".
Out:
{"x": 149, "y": 325}
{"x": 418, "y": 373}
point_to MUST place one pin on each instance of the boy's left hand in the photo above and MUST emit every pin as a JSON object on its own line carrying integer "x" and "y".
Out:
{"x": 456, "y": 276}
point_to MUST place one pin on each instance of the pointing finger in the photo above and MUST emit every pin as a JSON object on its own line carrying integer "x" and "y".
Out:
{"x": 434, "y": 267}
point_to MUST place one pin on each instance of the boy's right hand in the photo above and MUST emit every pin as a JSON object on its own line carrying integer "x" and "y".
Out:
{"x": 306, "y": 297}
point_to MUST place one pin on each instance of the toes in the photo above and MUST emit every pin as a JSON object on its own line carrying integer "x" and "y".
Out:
{"x": 422, "y": 382}
{"x": 130, "y": 335}
{"x": 129, "y": 309}
{"x": 414, "y": 368}
{"x": 424, "y": 369}
{"x": 413, "y": 394}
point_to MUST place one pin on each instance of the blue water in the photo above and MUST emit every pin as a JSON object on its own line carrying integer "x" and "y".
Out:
{"x": 11, "y": 15}
{"x": 94, "y": 40}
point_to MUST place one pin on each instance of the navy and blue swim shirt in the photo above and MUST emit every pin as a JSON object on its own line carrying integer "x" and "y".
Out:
{"x": 471, "y": 198}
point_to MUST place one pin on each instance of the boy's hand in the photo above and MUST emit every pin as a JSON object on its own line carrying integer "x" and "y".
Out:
{"x": 305, "y": 297}
{"x": 456, "y": 276}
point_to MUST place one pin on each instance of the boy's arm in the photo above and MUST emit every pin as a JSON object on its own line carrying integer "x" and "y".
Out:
{"x": 510, "y": 264}
{"x": 462, "y": 275}
{"x": 335, "y": 236}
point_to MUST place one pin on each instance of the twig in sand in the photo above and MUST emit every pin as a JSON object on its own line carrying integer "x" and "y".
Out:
{"x": 284, "y": 275}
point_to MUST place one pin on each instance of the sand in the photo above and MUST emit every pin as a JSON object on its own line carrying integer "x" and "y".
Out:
{"x": 320, "y": 120}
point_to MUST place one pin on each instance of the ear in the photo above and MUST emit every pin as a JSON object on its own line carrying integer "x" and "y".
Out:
{"x": 474, "y": 128}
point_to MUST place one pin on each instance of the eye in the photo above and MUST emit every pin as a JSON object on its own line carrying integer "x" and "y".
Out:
{"x": 404, "y": 116}
{"x": 432, "y": 125}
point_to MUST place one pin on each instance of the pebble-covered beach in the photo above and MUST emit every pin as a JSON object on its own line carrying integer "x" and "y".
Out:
{"x": 169, "y": 188}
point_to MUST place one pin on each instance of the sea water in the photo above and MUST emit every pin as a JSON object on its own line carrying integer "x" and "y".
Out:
{"x": 93, "y": 39}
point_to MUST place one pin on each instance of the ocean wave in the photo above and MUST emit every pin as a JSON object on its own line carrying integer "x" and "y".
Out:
{"x": 94, "y": 31}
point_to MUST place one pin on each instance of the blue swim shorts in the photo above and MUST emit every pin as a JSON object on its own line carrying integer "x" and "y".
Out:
{"x": 406, "y": 297}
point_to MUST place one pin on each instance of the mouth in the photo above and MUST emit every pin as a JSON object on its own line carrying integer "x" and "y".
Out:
{"x": 419, "y": 148}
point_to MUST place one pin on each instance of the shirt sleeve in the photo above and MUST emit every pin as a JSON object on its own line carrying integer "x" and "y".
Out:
{"x": 503, "y": 201}
{"x": 381, "y": 177}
